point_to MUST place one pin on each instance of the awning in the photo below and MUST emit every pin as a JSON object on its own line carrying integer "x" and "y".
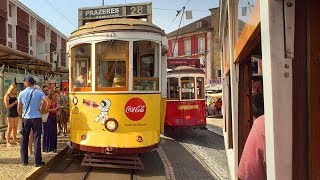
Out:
{"x": 15, "y": 58}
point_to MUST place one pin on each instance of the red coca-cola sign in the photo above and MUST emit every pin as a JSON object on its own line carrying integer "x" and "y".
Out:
{"x": 135, "y": 109}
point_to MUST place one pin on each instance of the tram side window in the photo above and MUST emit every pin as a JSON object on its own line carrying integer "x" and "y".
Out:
{"x": 187, "y": 88}
{"x": 145, "y": 66}
{"x": 81, "y": 73}
{"x": 173, "y": 88}
{"x": 200, "y": 88}
{"x": 112, "y": 59}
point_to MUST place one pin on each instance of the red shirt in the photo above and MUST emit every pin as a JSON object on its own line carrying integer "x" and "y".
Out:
{"x": 253, "y": 160}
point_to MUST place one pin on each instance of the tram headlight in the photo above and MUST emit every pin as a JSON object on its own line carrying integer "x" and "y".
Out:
{"x": 111, "y": 124}
{"x": 75, "y": 100}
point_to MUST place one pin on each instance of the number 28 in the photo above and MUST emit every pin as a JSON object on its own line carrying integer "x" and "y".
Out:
{"x": 136, "y": 9}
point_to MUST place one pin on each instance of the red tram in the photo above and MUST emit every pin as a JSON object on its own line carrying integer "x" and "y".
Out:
{"x": 186, "y": 98}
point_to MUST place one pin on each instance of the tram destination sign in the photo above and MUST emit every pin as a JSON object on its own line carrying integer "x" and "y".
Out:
{"x": 105, "y": 12}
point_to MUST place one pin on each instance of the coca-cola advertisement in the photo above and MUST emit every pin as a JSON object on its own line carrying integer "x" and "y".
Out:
{"x": 135, "y": 109}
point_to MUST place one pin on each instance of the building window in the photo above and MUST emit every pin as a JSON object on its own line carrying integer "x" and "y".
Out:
{"x": 219, "y": 73}
{"x": 10, "y": 44}
{"x": 31, "y": 52}
{"x": 10, "y": 11}
{"x": 9, "y": 31}
{"x": 201, "y": 45}
{"x": 30, "y": 40}
{"x": 175, "y": 49}
{"x": 199, "y": 24}
{"x": 187, "y": 47}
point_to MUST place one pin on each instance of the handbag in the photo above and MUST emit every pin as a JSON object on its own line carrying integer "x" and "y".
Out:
{"x": 44, "y": 117}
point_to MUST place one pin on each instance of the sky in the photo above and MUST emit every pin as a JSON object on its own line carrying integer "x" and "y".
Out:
{"x": 63, "y": 14}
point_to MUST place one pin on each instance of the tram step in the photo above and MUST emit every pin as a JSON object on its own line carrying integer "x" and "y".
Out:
{"x": 113, "y": 161}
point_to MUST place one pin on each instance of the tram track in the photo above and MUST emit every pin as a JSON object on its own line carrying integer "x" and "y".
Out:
{"x": 66, "y": 166}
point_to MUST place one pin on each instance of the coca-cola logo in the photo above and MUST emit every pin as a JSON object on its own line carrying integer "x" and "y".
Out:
{"x": 135, "y": 109}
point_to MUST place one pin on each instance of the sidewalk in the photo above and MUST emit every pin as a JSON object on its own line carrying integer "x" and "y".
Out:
{"x": 215, "y": 125}
{"x": 10, "y": 163}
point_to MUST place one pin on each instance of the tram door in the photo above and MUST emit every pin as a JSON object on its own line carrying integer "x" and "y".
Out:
{"x": 314, "y": 88}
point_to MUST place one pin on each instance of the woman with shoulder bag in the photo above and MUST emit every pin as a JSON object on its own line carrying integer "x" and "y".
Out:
{"x": 49, "y": 130}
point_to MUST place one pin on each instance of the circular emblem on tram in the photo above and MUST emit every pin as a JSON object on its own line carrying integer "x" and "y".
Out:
{"x": 135, "y": 109}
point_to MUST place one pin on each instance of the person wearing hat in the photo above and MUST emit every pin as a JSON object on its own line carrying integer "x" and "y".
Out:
{"x": 29, "y": 101}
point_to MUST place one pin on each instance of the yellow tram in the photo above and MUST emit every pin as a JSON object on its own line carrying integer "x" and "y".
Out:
{"x": 117, "y": 76}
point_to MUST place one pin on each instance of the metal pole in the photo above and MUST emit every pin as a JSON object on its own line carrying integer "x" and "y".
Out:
{"x": 2, "y": 118}
{"x": 102, "y": 2}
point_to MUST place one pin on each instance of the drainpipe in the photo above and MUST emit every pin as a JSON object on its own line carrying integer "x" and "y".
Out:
{"x": 2, "y": 118}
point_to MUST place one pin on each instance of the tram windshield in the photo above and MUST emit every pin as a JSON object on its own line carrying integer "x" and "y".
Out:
{"x": 81, "y": 57}
{"x": 187, "y": 88}
{"x": 112, "y": 60}
{"x": 145, "y": 66}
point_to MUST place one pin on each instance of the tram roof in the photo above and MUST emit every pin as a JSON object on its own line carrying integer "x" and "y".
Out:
{"x": 185, "y": 70}
{"x": 116, "y": 25}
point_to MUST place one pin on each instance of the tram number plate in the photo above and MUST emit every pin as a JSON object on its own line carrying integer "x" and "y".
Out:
{"x": 136, "y": 10}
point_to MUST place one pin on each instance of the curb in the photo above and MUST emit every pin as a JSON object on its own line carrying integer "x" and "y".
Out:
{"x": 39, "y": 170}
{"x": 215, "y": 129}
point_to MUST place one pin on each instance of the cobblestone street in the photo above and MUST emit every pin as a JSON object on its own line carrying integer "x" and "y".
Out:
{"x": 10, "y": 162}
{"x": 197, "y": 154}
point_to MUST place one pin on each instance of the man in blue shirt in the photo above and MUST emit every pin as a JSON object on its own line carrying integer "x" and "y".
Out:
{"x": 29, "y": 102}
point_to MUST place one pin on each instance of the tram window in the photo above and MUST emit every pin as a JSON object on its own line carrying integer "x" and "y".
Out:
{"x": 145, "y": 65}
{"x": 112, "y": 60}
{"x": 200, "y": 88}
{"x": 173, "y": 88}
{"x": 81, "y": 73}
{"x": 187, "y": 88}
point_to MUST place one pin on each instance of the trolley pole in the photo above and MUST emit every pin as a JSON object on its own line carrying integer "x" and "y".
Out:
{"x": 2, "y": 121}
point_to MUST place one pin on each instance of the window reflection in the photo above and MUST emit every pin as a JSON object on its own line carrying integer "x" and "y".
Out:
{"x": 245, "y": 8}
{"x": 112, "y": 59}
{"x": 145, "y": 65}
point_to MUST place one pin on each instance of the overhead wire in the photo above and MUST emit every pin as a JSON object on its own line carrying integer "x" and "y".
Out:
{"x": 61, "y": 14}
{"x": 178, "y": 12}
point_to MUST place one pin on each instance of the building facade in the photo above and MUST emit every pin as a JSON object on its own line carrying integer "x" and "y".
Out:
{"x": 25, "y": 35}
{"x": 199, "y": 40}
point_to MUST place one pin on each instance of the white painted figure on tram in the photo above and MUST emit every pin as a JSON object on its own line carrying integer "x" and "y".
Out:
{"x": 252, "y": 165}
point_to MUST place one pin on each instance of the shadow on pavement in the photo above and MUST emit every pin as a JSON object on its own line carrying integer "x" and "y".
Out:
{"x": 185, "y": 166}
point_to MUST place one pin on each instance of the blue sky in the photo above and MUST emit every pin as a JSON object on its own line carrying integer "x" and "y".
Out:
{"x": 63, "y": 14}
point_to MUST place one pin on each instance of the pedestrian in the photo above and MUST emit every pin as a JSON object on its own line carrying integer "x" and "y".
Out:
{"x": 45, "y": 90}
{"x": 61, "y": 114}
{"x": 49, "y": 127}
{"x": 65, "y": 110}
{"x": 10, "y": 102}
{"x": 29, "y": 101}
{"x": 252, "y": 165}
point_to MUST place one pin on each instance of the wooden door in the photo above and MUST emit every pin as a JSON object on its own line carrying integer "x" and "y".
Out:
{"x": 314, "y": 88}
